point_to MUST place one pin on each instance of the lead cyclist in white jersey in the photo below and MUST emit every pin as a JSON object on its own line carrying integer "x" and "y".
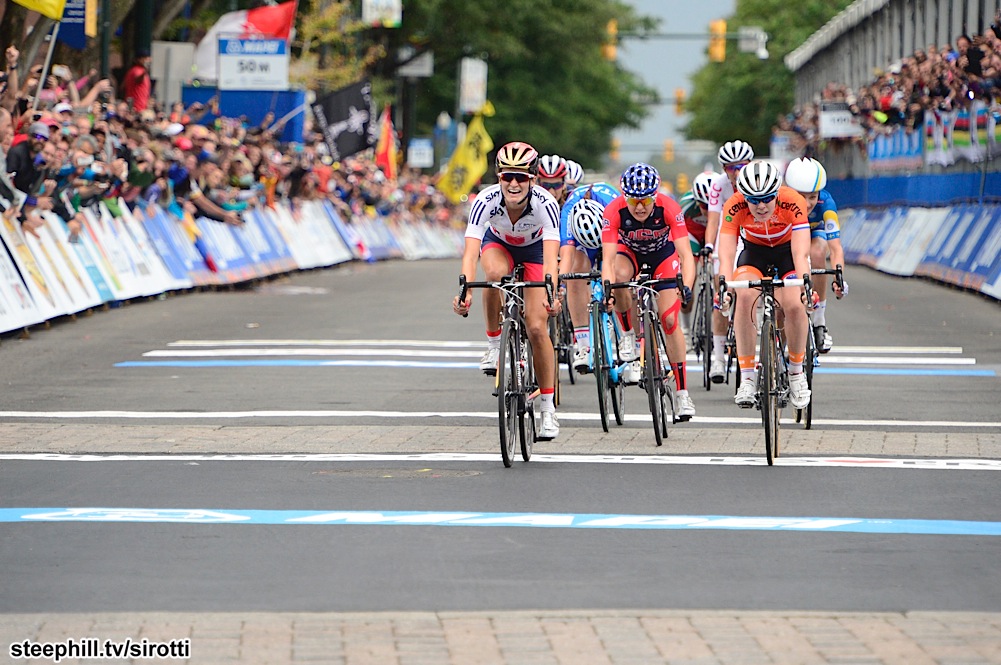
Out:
{"x": 516, "y": 222}
{"x": 732, "y": 156}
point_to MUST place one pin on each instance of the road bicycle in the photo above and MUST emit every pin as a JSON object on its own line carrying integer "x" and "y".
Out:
{"x": 604, "y": 361}
{"x": 563, "y": 341}
{"x": 702, "y": 318}
{"x": 812, "y": 360}
{"x": 656, "y": 379}
{"x": 515, "y": 382}
{"x": 772, "y": 391}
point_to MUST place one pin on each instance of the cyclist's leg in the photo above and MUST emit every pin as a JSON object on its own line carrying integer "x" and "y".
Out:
{"x": 496, "y": 262}
{"x": 577, "y": 297}
{"x": 537, "y": 324}
{"x": 818, "y": 259}
{"x": 626, "y": 268}
{"x": 669, "y": 306}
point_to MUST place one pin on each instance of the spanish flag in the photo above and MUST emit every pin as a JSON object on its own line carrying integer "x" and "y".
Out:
{"x": 51, "y": 8}
{"x": 385, "y": 149}
{"x": 469, "y": 161}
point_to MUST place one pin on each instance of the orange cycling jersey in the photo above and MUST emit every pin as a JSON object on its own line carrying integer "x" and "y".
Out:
{"x": 789, "y": 215}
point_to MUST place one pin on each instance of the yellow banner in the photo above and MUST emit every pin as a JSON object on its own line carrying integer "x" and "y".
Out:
{"x": 90, "y": 19}
{"x": 51, "y": 8}
{"x": 468, "y": 162}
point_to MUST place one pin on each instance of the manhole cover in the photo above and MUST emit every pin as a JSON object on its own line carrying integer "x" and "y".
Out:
{"x": 398, "y": 473}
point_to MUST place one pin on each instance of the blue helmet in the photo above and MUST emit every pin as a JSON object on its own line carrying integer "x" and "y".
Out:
{"x": 640, "y": 180}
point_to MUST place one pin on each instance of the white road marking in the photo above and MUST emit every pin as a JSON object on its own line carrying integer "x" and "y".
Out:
{"x": 670, "y": 460}
{"x": 477, "y": 415}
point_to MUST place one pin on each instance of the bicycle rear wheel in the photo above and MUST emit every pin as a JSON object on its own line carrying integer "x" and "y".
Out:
{"x": 599, "y": 360}
{"x": 805, "y": 415}
{"x": 653, "y": 375}
{"x": 768, "y": 389}
{"x": 566, "y": 339}
{"x": 703, "y": 336}
{"x": 509, "y": 395}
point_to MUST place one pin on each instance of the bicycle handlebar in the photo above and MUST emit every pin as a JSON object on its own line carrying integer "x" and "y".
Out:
{"x": 837, "y": 271}
{"x": 506, "y": 282}
{"x": 566, "y": 277}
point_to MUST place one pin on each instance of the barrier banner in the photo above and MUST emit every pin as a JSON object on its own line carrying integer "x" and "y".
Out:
{"x": 17, "y": 307}
{"x": 155, "y": 221}
{"x": 273, "y": 250}
{"x": 911, "y": 240}
{"x": 159, "y": 278}
{"x": 34, "y": 279}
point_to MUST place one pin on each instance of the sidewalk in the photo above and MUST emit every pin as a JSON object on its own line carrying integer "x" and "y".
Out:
{"x": 571, "y": 637}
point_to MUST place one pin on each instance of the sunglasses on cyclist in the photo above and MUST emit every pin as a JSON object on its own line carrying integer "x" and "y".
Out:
{"x": 515, "y": 177}
{"x": 755, "y": 200}
{"x": 639, "y": 200}
{"x": 551, "y": 185}
{"x": 733, "y": 168}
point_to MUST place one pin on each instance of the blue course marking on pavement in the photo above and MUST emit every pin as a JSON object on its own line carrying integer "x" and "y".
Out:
{"x": 291, "y": 362}
{"x": 538, "y": 520}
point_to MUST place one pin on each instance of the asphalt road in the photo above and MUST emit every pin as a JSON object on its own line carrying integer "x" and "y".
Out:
{"x": 136, "y": 364}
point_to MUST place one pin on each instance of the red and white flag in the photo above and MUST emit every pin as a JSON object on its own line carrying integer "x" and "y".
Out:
{"x": 273, "y": 22}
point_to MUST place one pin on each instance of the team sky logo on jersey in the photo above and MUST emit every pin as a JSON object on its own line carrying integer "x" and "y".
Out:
{"x": 492, "y": 195}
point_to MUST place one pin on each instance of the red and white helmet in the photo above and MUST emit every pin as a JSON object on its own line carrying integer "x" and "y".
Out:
{"x": 552, "y": 166}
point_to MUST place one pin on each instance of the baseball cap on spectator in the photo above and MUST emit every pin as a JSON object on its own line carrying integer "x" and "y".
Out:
{"x": 38, "y": 129}
{"x": 63, "y": 107}
{"x": 173, "y": 129}
{"x": 183, "y": 143}
{"x": 895, "y": 68}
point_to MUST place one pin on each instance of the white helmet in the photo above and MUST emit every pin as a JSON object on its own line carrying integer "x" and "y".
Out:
{"x": 552, "y": 166}
{"x": 806, "y": 175}
{"x": 701, "y": 185}
{"x": 735, "y": 152}
{"x": 759, "y": 179}
{"x": 586, "y": 219}
{"x": 575, "y": 173}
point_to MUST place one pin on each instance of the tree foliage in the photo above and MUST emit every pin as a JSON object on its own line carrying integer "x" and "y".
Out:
{"x": 547, "y": 78}
{"x": 743, "y": 96}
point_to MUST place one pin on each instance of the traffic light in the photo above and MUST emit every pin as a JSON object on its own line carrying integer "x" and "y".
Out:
{"x": 613, "y": 153}
{"x": 681, "y": 183}
{"x": 668, "y": 150}
{"x": 679, "y": 101}
{"x": 609, "y": 50}
{"x": 717, "y": 40}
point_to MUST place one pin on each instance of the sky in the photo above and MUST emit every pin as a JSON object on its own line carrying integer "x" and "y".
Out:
{"x": 667, "y": 64}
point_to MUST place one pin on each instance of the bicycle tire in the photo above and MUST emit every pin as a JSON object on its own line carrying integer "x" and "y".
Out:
{"x": 616, "y": 386}
{"x": 508, "y": 392}
{"x": 567, "y": 342}
{"x": 667, "y": 385}
{"x": 704, "y": 324}
{"x": 653, "y": 376}
{"x": 526, "y": 416}
{"x": 808, "y": 362}
{"x": 599, "y": 361}
{"x": 768, "y": 389}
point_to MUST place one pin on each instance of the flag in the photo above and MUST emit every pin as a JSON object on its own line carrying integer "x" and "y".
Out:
{"x": 275, "y": 22}
{"x": 51, "y": 8}
{"x": 469, "y": 161}
{"x": 345, "y": 118}
{"x": 385, "y": 149}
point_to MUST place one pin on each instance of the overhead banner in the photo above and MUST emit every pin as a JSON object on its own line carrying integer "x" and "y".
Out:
{"x": 253, "y": 64}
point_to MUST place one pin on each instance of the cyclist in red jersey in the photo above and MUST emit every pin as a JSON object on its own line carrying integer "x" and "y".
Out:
{"x": 643, "y": 226}
{"x": 773, "y": 222}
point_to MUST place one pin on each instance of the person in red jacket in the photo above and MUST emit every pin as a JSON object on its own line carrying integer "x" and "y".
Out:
{"x": 137, "y": 84}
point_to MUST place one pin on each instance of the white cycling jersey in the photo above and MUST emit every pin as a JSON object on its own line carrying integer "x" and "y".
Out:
{"x": 720, "y": 190}
{"x": 540, "y": 221}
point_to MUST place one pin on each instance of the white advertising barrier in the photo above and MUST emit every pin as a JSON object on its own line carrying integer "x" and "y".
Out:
{"x": 17, "y": 307}
{"x": 318, "y": 229}
{"x": 38, "y": 286}
{"x": 159, "y": 278}
{"x": 68, "y": 269}
{"x": 306, "y": 255}
{"x": 911, "y": 240}
{"x": 113, "y": 259}
{"x": 139, "y": 267}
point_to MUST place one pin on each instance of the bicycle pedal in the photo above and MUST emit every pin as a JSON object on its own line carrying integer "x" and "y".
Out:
{"x": 490, "y": 372}
{"x": 682, "y": 419}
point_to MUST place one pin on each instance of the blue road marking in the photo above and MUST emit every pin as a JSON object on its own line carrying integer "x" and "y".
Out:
{"x": 291, "y": 362}
{"x": 536, "y": 520}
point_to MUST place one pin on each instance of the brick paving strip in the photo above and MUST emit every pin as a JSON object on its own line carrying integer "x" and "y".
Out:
{"x": 569, "y": 637}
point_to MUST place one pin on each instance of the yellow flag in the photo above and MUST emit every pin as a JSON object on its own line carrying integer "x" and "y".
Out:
{"x": 51, "y": 8}
{"x": 468, "y": 162}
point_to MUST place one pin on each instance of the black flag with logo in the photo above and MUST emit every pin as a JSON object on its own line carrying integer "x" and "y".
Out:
{"x": 346, "y": 118}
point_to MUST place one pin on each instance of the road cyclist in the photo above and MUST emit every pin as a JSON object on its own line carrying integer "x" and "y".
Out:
{"x": 581, "y": 221}
{"x": 772, "y": 220}
{"x": 516, "y": 222}
{"x": 732, "y": 156}
{"x": 808, "y": 177}
{"x": 697, "y": 316}
{"x": 644, "y": 226}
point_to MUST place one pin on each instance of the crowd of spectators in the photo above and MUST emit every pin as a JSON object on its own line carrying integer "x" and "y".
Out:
{"x": 79, "y": 143}
{"x": 938, "y": 79}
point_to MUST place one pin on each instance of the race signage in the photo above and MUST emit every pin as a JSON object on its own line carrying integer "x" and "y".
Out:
{"x": 253, "y": 64}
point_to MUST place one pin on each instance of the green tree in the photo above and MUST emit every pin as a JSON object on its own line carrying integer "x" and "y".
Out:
{"x": 547, "y": 78}
{"x": 743, "y": 96}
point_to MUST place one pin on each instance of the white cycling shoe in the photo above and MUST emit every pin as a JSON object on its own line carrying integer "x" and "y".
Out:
{"x": 745, "y": 394}
{"x": 549, "y": 426}
{"x": 717, "y": 370}
{"x": 627, "y": 346}
{"x": 799, "y": 391}
{"x": 582, "y": 360}
{"x": 488, "y": 363}
{"x": 632, "y": 373}
{"x": 686, "y": 407}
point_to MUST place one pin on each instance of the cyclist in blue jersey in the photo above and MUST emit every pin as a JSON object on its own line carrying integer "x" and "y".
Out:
{"x": 808, "y": 177}
{"x": 580, "y": 246}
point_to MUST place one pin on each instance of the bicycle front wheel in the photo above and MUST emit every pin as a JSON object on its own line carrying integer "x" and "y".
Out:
{"x": 704, "y": 331}
{"x": 809, "y": 360}
{"x": 653, "y": 376}
{"x": 509, "y": 394}
{"x": 526, "y": 415}
{"x": 566, "y": 343}
{"x": 599, "y": 360}
{"x": 768, "y": 389}
{"x": 616, "y": 387}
